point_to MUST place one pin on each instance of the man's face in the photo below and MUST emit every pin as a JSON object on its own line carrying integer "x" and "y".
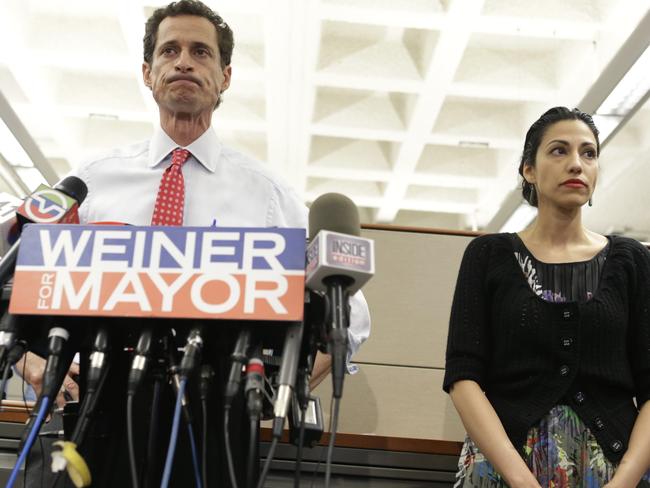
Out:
{"x": 185, "y": 74}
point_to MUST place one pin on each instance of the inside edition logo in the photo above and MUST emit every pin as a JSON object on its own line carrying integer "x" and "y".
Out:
{"x": 188, "y": 272}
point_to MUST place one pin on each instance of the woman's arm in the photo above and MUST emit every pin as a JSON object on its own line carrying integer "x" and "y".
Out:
{"x": 636, "y": 460}
{"x": 487, "y": 432}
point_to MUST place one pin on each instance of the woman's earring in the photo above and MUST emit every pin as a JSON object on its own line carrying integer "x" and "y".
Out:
{"x": 591, "y": 203}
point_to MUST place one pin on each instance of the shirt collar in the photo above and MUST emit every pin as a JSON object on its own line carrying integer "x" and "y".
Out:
{"x": 206, "y": 149}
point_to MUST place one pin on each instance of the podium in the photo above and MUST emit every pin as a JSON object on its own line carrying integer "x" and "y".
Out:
{"x": 126, "y": 278}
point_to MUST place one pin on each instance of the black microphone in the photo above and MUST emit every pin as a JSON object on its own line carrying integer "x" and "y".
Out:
{"x": 58, "y": 205}
{"x": 57, "y": 339}
{"x": 237, "y": 360}
{"x": 98, "y": 360}
{"x": 191, "y": 353}
{"x": 254, "y": 386}
{"x": 287, "y": 376}
{"x": 339, "y": 262}
{"x": 140, "y": 360}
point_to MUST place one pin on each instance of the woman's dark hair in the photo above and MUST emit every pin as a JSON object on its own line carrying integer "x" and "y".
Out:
{"x": 534, "y": 138}
{"x": 189, "y": 7}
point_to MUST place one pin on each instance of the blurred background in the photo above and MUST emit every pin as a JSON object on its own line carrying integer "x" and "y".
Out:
{"x": 416, "y": 109}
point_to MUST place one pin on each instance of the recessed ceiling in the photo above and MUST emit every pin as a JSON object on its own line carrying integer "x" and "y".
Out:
{"x": 416, "y": 109}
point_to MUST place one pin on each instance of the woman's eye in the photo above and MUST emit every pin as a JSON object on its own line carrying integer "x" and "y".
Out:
{"x": 557, "y": 151}
{"x": 591, "y": 154}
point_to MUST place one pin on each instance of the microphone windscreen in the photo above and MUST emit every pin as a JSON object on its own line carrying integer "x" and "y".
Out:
{"x": 73, "y": 187}
{"x": 333, "y": 212}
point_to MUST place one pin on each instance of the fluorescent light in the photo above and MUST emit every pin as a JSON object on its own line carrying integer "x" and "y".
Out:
{"x": 520, "y": 218}
{"x": 625, "y": 97}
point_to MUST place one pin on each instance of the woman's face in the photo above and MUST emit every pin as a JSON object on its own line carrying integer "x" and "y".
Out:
{"x": 566, "y": 165}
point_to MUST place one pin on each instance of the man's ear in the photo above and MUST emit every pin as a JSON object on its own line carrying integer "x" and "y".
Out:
{"x": 146, "y": 74}
{"x": 227, "y": 73}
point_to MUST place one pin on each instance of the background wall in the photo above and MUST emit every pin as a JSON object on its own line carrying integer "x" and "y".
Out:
{"x": 397, "y": 391}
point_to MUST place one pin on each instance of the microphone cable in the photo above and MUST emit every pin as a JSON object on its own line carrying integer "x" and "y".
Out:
{"x": 330, "y": 447}
{"x": 254, "y": 401}
{"x": 302, "y": 396}
{"x": 191, "y": 358}
{"x": 206, "y": 377}
{"x": 136, "y": 377}
{"x": 237, "y": 360}
{"x": 174, "y": 434}
{"x": 152, "y": 441}
{"x": 131, "y": 442}
{"x": 36, "y": 426}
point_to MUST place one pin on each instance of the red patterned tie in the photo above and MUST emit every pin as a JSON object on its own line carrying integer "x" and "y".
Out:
{"x": 168, "y": 209}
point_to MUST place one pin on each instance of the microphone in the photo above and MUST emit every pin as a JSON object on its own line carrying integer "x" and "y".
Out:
{"x": 339, "y": 263}
{"x": 237, "y": 360}
{"x": 191, "y": 353}
{"x": 254, "y": 386}
{"x": 98, "y": 361}
{"x": 58, "y": 205}
{"x": 52, "y": 378}
{"x": 287, "y": 376}
{"x": 140, "y": 359}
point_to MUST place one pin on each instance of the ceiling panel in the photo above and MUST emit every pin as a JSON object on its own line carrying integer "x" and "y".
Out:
{"x": 416, "y": 109}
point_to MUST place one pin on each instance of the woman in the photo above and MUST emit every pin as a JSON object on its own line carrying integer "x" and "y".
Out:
{"x": 549, "y": 336}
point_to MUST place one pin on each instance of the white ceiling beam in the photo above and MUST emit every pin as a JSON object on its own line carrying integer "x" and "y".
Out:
{"x": 277, "y": 33}
{"x": 383, "y": 16}
{"x": 459, "y": 24}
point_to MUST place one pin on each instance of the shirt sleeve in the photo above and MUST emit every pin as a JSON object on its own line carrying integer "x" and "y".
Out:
{"x": 640, "y": 324}
{"x": 359, "y": 329}
{"x": 468, "y": 337}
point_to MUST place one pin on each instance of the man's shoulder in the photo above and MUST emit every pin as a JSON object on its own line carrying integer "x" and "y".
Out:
{"x": 253, "y": 167}
{"x": 112, "y": 156}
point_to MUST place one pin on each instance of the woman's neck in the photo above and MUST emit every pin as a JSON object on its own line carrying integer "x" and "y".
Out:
{"x": 557, "y": 227}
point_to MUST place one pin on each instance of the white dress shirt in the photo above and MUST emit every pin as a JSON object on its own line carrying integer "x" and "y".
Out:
{"x": 222, "y": 187}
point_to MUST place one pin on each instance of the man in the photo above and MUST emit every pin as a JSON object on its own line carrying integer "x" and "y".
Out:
{"x": 187, "y": 55}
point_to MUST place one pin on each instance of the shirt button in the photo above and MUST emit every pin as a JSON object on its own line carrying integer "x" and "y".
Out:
{"x": 579, "y": 397}
{"x": 564, "y": 370}
{"x": 598, "y": 422}
{"x": 616, "y": 446}
{"x": 567, "y": 341}
{"x": 566, "y": 314}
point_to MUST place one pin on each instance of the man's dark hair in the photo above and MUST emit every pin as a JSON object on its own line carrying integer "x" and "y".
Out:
{"x": 189, "y": 7}
{"x": 534, "y": 138}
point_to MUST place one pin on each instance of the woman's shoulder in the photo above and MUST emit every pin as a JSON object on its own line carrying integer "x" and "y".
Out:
{"x": 488, "y": 246}
{"x": 628, "y": 245}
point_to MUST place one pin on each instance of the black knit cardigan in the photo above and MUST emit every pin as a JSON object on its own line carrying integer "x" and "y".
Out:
{"x": 529, "y": 355}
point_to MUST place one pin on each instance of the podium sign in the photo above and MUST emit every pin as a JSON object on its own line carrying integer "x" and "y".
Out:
{"x": 184, "y": 272}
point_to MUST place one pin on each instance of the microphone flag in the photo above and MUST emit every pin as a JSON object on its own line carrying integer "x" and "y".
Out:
{"x": 335, "y": 254}
{"x": 48, "y": 206}
{"x": 181, "y": 272}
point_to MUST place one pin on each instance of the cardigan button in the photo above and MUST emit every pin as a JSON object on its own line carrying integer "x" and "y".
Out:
{"x": 564, "y": 370}
{"x": 566, "y": 314}
{"x": 598, "y": 422}
{"x": 567, "y": 341}
{"x": 579, "y": 398}
{"x": 616, "y": 446}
